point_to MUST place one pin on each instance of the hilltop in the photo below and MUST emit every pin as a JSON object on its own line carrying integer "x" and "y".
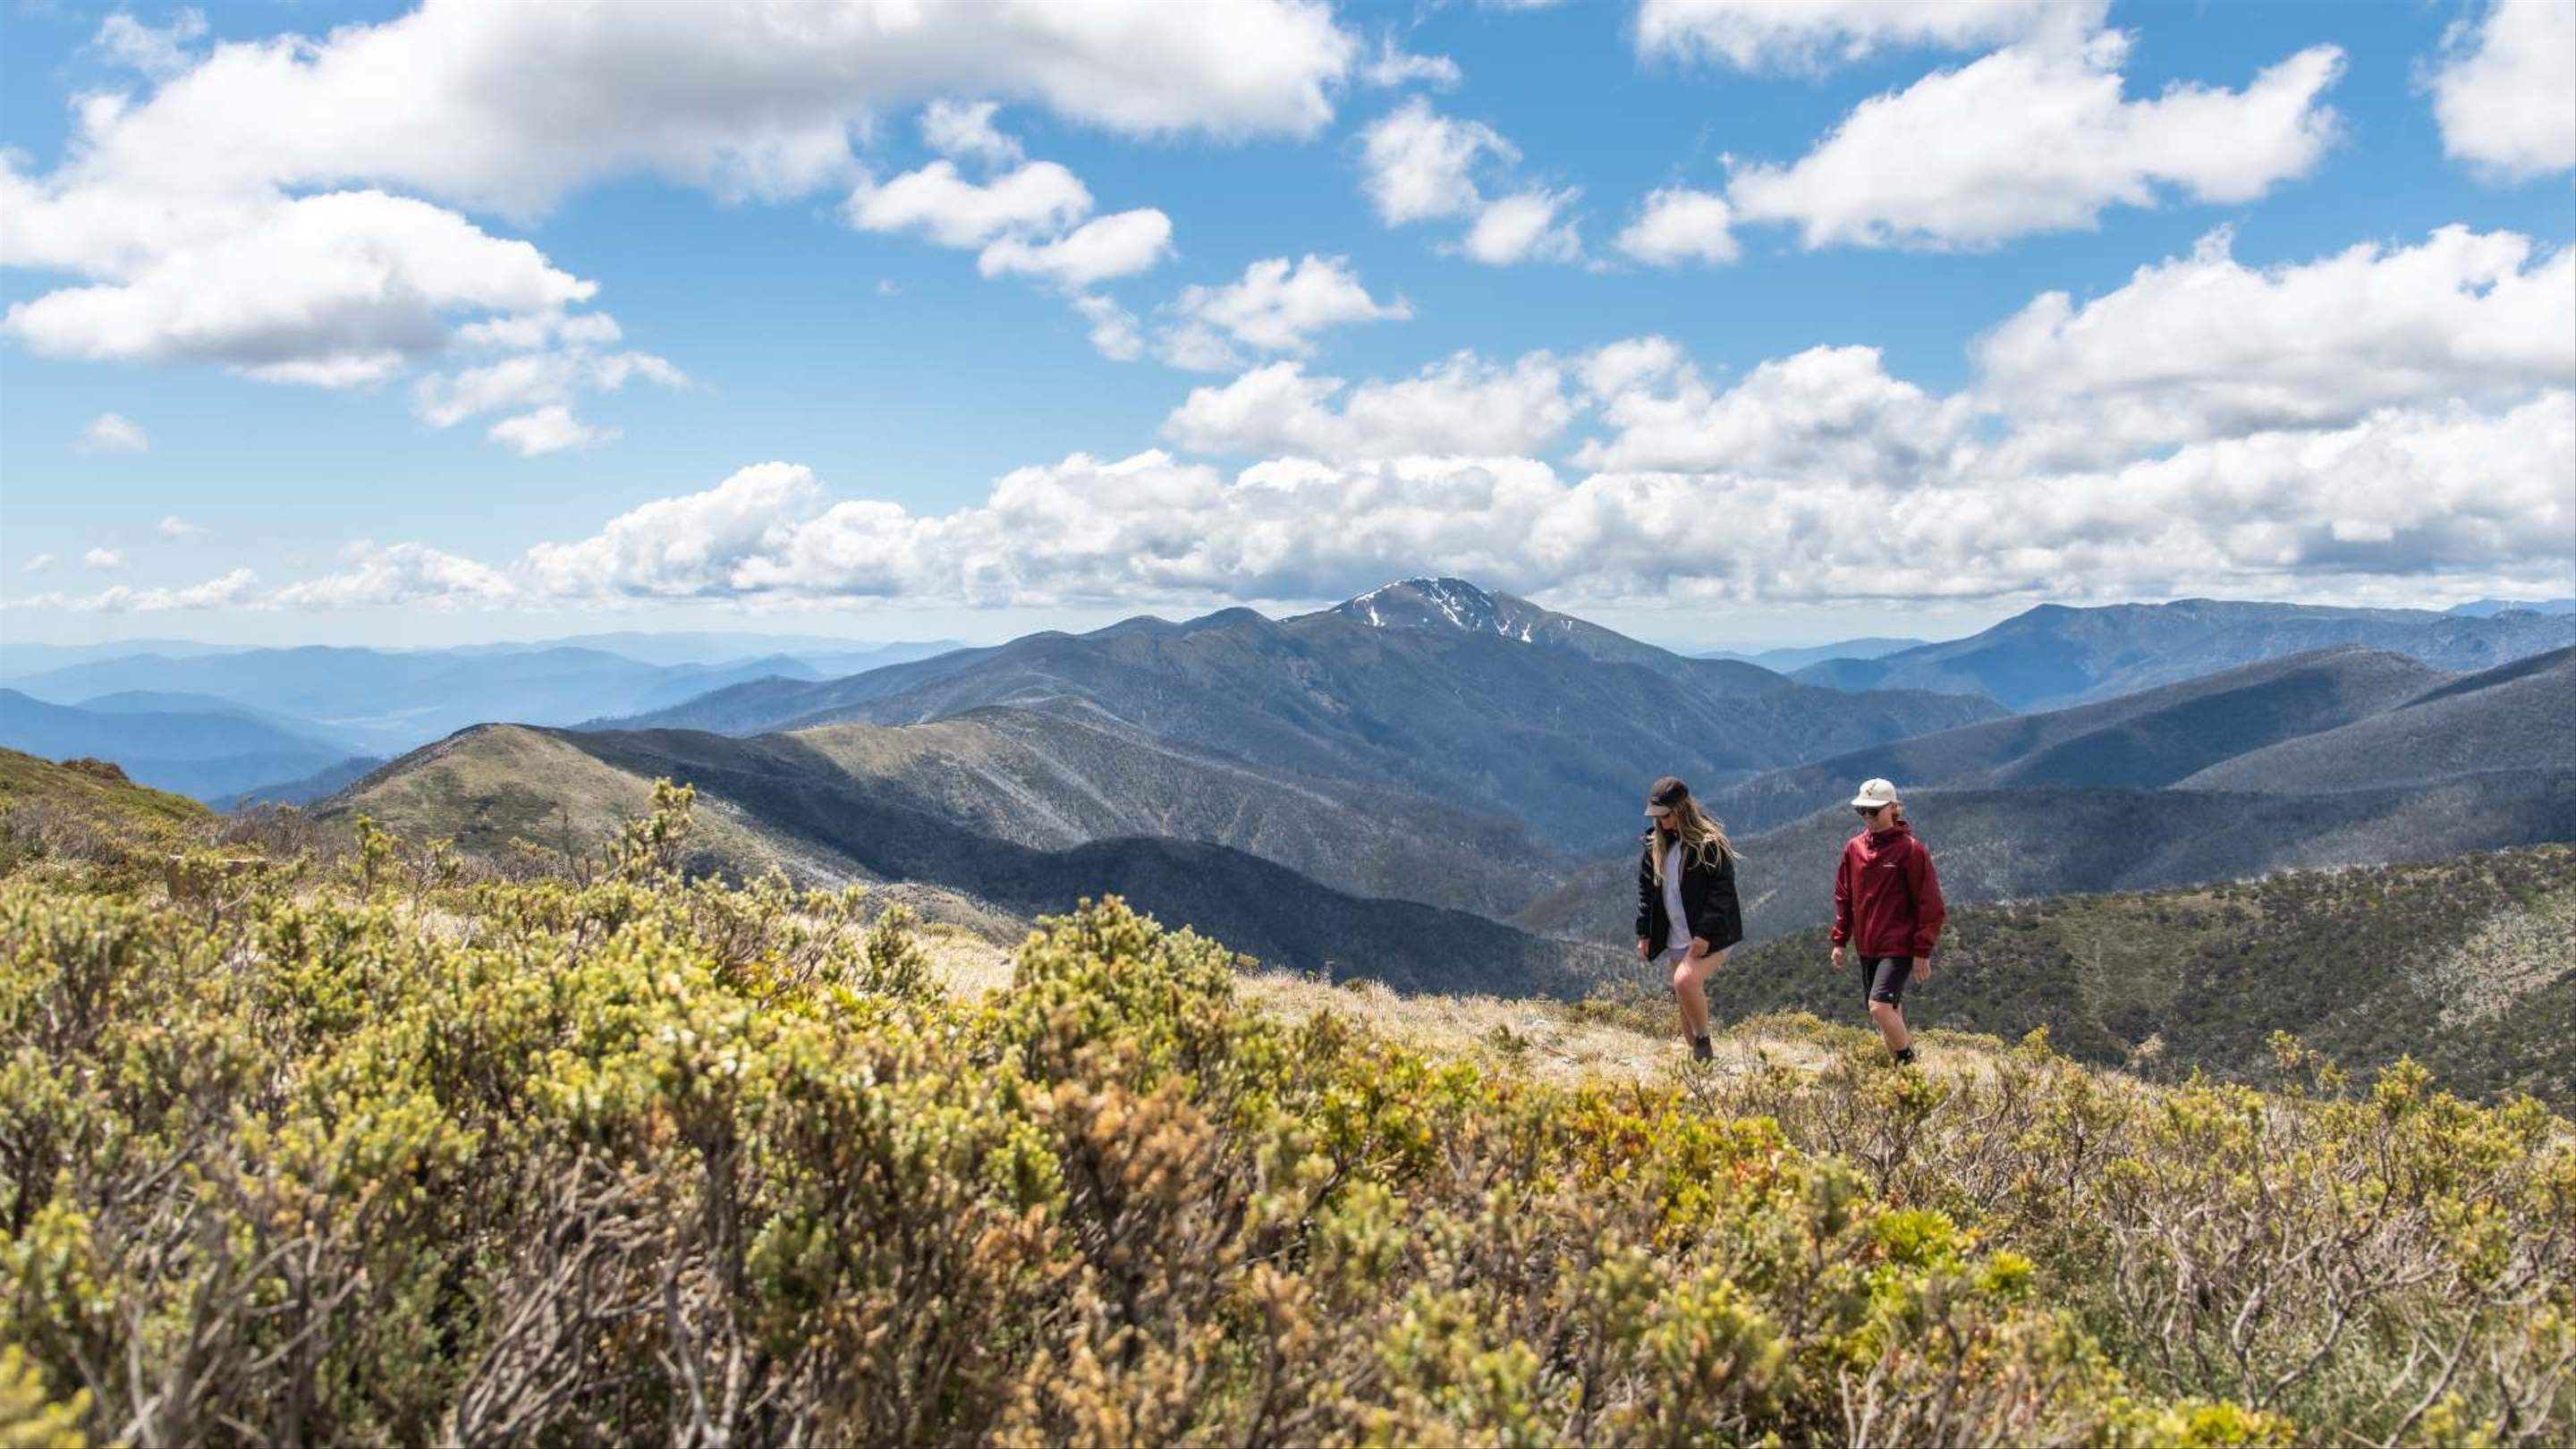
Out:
{"x": 87, "y": 813}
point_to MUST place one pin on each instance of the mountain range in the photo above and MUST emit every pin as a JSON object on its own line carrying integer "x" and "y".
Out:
{"x": 1363, "y": 781}
{"x": 385, "y": 701}
{"x": 2053, "y": 656}
{"x": 1785, "y": 660}
{"x": 2344, "y": 757}
{"x": 2147, "y": 740}
{"x": 2489, "y": 608}
{"x": 1481, "y": 701}
{"x": 183, "y": 743}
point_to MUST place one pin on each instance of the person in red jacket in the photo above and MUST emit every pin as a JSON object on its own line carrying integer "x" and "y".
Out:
{"x": 1887, "y": 907}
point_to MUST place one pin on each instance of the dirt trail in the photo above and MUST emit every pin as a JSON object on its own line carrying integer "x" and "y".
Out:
{"x": 1542, "y": 1037}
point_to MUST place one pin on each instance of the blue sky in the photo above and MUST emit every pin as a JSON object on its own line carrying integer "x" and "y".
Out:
{"x": 2393, "y": 429}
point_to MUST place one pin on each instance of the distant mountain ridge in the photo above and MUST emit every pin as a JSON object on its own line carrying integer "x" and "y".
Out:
{"x": 1430, "y": 686}
{"x": 196, "y": 753}
{"x": 2342, "y": 757}
{"x": 1786, "y": 660}
{"x": 1063, "y": 778}
{"x": 2518, "y": 716}
{"x": 2053, "y": 656}
{"x": 303, "y": 789}
{"x": 2150, "y": 739}
{"x": 2017, "y": 844}
{"x": 770, "y": 802}
{"x": 387, "y": 701}
{"x": 2489, "y": 608}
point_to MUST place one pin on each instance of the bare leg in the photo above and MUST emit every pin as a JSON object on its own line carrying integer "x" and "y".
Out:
{"x": 1891, "y": 1024}
{"x": 1687, "y": 976}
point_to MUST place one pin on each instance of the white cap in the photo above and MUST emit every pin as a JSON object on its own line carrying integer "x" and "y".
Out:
{"x": 1873, "y": 794}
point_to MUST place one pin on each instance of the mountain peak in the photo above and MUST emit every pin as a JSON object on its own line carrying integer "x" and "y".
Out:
{"x": 1447, "y": 604}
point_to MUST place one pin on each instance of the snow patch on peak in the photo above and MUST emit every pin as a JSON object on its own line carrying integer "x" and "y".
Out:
{"x": 1448, "y": 603}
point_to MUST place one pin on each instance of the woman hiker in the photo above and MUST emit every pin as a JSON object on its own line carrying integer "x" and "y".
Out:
{"x": 1686, "y": 907}
{"x": 1887, "y": 905}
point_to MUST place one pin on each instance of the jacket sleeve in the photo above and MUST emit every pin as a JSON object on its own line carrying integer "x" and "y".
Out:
{"x": 1724, "y": 925}
{"x": 1645, "y": 890}
{"x": 1929, "y": 912}
{"x": 1842, "y": 898}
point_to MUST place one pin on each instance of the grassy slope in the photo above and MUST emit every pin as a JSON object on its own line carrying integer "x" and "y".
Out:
{"x": 490, "y": 785}
{"x": 49, "y": 812}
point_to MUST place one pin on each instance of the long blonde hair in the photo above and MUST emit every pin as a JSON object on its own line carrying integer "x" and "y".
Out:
{"x": 1703, "y": 838}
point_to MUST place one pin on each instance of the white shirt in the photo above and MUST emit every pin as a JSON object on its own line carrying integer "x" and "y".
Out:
{"x": 1679, "y": 938}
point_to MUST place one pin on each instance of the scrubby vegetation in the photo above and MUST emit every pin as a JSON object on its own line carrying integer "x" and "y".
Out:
{"x": 381, "y": 1148}
{"x": 86, "y": 817}
{"x": 2467, "y": 964}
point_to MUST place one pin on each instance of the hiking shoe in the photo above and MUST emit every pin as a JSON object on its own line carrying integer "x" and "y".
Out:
{"x": 1905, "y": 1058}
{"x": 1700, "y": 1050}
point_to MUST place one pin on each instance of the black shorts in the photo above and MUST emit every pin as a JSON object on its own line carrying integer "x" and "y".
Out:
{"x": 1883, "y": 978}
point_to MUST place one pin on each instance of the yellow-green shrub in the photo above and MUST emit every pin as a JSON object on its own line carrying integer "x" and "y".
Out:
{"x": 395, "y": 1156}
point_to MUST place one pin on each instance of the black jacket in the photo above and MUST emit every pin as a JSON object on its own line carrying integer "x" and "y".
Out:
{"x": 1708, "y": 899}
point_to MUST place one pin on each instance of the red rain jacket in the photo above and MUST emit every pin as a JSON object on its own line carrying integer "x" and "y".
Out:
{"x": 1886, "y": 898}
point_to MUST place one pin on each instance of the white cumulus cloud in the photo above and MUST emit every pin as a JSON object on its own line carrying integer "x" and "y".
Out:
{"x": 238, "y": 589}
{"x": 335, "y": 289}
{"x": 1807, "y": 35}
{"x": 1679, "y": 225}
{"x": 1524, "y": 227}
{"x": 103, "y": 558}
{"x": 2204, "y": 346}
{"x": 963, "y": 128}
{"x": 173, "y": 526}
{"x": 1114, "y": 332}
{"x": 1418, "y": 165}
{"x": 155, "y": 50}
{"x": 408, "y": 574}
{"x": 1277, "y": 306}
{"x": 1119, "y": 245}
{"x": 945, "y": 207}
{"x": 2037, "y": 138}
{"x": 549, "y": 429}
{"x": 1463, "y": 406}
{"x": 1392, "y": 66}
{"x": 1828, "y": 413}
{"x": 687, "y": 546}
{"x": 294, "y": 207}
{"x": 535, "y": 380}
{"x": 746, "y": 100}
{"x": 115, "y": 433}
{"x": 2502, "y": 89}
